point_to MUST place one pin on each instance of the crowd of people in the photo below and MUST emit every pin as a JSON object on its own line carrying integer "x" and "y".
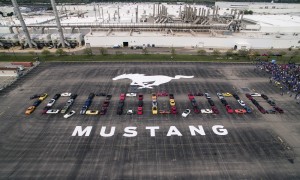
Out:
{"x": 285, "y": 76}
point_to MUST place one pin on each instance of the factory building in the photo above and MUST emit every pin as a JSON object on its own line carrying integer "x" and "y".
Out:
{"x": 14, "y": 72}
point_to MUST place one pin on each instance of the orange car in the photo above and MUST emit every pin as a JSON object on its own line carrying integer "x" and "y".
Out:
{"x": 153, "y": 96}
{"x": 30, "y": 110}
{"x": 240, "y": 111}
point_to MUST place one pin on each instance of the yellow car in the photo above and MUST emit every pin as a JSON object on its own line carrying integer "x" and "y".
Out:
{"x": 91, "y": 112}
{"x": 30, "y": 110}
{"x": 154, "y": 110}
{"x": 227, "y": 94}
{"x": 42, "y": 97}
{"x": 172, "y": 102}
{"x": 153, "y": 96}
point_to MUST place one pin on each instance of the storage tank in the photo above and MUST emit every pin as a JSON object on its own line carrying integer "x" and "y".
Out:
{"x": 71, "y": 40}
{"x": 9, "y": 40}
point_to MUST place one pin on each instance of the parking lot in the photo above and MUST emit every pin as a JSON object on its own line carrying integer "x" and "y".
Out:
{"x": 257, "y": 146}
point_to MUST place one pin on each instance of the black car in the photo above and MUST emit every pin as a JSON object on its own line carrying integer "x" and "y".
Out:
{"x": 56, "y": 96}
{"x": 171, "y": 96}
{"x": 101, "y": 94}
{"x": 73, "y": 96}
{"x": 272, "y": 103}
{"x": 224, "y": 102}
{"x": 194, "y": 103}
{"x": 271, "y": 111}
{"x": 211, "y": 102}
{"x": 236, "y": 96}
{"x": 91, "y": 96}
{"x": 34, "y": 96}
{"x": 198, "y": 94}
{"x": 140, "y": 103}
{"x": 36, "y": 103}
{"x": 120, "y": 111}
{"x": 264, "y": 96}
{"x": 121, "y": 104}
{"x": 108, "y": 97}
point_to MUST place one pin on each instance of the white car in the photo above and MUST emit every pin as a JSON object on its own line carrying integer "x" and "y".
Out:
{"x": 186, "y": 113}
{"x": 131, "y": 94}
{"x": 241, "y": 102}
{"x": 51, "y": 102}
{"x": 255, "y": 94}
{"x": 69, "y": 114}
{"x": 207, "y": 95}
{"x": 220, "y": 96}
{"x": 66, "y": 94}
{"x": 206, "y": 111}
{"x": 129, "y": 112}
{"x": 52, "y": 111}
{"x": 154, "y": 103}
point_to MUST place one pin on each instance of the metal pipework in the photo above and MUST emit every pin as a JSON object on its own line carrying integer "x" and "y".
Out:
{"x": 60, "y": 31}
{"x": 24, "y": 27}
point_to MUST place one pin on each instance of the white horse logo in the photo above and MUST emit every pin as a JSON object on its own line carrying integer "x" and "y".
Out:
{"x": 148, "y": 81}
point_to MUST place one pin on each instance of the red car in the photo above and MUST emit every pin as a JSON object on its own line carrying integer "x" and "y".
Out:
{"x": 196, "y": 110}
{"x": 103, "y": 110}
{"x": 191, "y": 96}
{"x": 164, "y": 112}
{"x": 278, "y": 109}
{"x": 45, "y": 110}
{"x": 248, "y": 96}
{"x": 140, "y": 97}
{"x": 140, "y": 111}
{"x": 105, "y": 104}
{"x": 173, "y": 110}
{"x": 229, "y": 109}
{"x": 215, "y": 110}
{"x": 122, "y": 96}
{"x": 162, "y": 94}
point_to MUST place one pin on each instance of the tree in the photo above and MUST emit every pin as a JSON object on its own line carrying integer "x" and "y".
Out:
{"x": 248, "y": 12}
{"x": 103, "y": 51}
{"x": 201, "y": 52}
{"x": 243, "y": 52}
{"x": 45, "y": 52}
{"x": 60, "y": 52}
{"x": 119, "y": 53}
{"x": 282, "y": 53}
{"x": 88, "y": 51}
{"x": 295, "y": 53}
{"x": 31, "y": 53}
{"x": 173, "y": 52}
{"x": 229, "y": 52}
{"x": 216, "y": 52}
{"x": 256, "y": 53}
{"x": 145, "y": 51}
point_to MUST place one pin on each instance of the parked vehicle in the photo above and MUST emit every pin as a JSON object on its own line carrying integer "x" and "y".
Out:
{"x": 186, "y": 112}
{"x": 69, "y": 114}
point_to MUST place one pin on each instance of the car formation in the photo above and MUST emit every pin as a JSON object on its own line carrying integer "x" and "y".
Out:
{"x": 206, "y": 105}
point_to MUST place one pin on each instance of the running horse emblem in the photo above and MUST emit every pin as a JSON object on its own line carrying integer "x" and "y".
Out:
{"x": 148, "y": 81}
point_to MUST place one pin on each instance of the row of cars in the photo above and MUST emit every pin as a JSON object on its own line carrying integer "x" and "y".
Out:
{"x": 243, "y": 110}
{"x": 269, "y": 101}
{"x": 85, "y": 108}
{"x": 36, "y": 103}
{"x": 203, "y": 111}
{"x": 173, "y": 109}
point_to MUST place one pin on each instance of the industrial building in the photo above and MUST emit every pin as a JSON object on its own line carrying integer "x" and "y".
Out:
{"x": 9, "y": 71}
{"x": 161, "y": 25}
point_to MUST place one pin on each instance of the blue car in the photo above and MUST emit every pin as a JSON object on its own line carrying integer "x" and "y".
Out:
{"x": 247, "y": 109}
